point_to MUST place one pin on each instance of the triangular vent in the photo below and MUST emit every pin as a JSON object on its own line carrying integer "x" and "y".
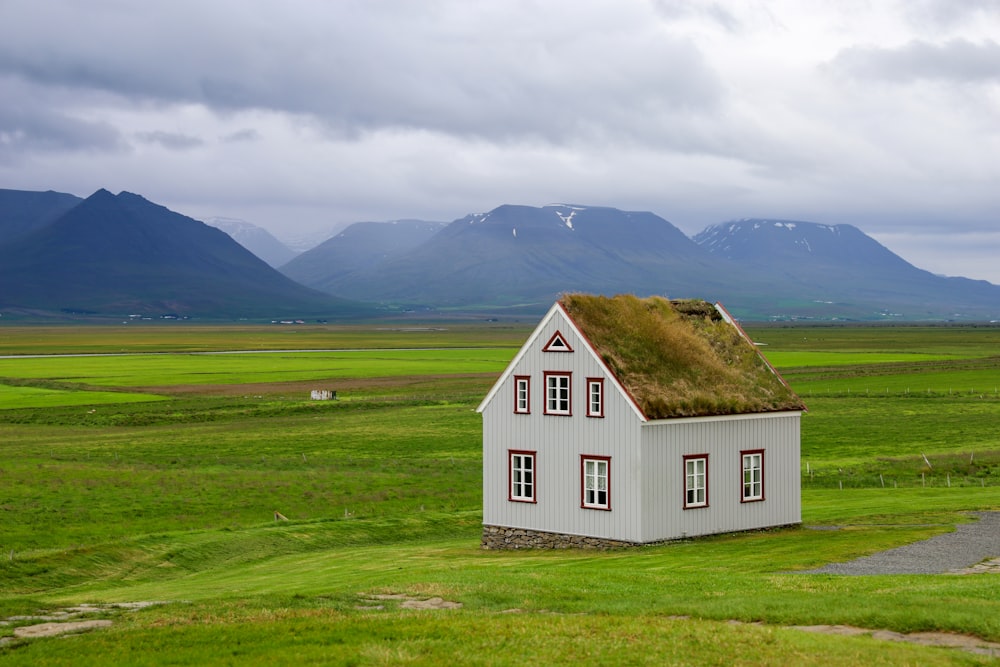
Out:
{"x": 557, "y": 344}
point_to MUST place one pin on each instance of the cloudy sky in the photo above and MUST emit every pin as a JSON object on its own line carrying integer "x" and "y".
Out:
{"x": 299, "y": 116}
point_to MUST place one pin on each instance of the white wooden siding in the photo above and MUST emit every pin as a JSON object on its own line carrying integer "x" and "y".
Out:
{"x": 559, "y": 442}
{"x": 666, "y": 442}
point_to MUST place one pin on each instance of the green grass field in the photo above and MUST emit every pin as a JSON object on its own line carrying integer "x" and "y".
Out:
{"x": 105, "y": 500}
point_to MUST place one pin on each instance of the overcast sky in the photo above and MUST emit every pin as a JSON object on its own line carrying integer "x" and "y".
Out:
{"x": 298, "y": 116}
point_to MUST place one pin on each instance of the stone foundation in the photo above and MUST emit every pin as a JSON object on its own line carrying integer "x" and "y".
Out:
{"x": 501, "y": 537}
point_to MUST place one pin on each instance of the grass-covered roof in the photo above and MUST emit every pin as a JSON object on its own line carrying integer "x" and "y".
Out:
{"x": 679, "y": 358}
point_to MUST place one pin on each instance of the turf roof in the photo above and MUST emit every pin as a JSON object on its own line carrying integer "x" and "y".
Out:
{"x": 679, "y": 358}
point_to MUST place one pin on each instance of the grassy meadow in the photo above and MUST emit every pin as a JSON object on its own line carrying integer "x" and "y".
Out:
{"x": 156, "y": 476}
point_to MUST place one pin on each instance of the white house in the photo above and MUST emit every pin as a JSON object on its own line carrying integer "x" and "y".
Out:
{"x": 629, "y": 421}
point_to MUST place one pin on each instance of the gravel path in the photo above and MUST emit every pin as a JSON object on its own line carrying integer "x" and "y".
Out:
{"x": 970, "y": 544}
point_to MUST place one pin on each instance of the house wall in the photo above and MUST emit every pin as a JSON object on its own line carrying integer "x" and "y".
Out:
{"x": 666, "y": 442}
{"x": 559, "y": 442}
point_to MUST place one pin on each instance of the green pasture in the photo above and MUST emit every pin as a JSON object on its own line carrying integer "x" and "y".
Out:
{"x": 174, "y": 500}
{"x": 37, "y": 397}
{"x": 176, "y": 336}
{"x": 818, "y": 359}
{"x": 154, "y": 370}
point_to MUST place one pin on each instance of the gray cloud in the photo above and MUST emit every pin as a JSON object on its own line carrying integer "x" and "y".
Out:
{"x": 714, "y": 11}
{"x": 29, "y": 125}
{"x": 246, "y": 134}
{"x": 171, "y": 140}
{"x": 947, "y": 14}
{"x": 305, "y": 114}
{"x": 957, "y": 60}
{"x": 358, "y": 68}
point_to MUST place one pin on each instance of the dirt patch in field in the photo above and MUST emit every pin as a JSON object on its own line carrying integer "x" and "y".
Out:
{"x": 408, "y": 601}
{"x": 63, "y": 621}
{"x": 55, "y": 629}
{"x": 989, "y": 566}
{"x": 302, "y": 387}
{"x": 940, "y": 639}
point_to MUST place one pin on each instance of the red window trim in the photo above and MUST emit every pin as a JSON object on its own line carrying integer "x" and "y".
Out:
{"x": 569, "y": 396}
{"x": 688, "y": 457}
{"x": 599, "y": 381}
{"x": 583, "y": 482}
{"x": 534, "y": 475}
{"x": 527, "y": 408}
{"x": 557, "y": 335}
{"x": 763, "y": 495}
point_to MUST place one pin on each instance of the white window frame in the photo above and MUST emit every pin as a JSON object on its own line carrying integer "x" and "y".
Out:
{"x": 595, "y": 397}
{"x": 595, "y": 479}
{"x": 522, "y": 394}
{"x": 558, "y": 393}
{"x": 752, "y": 475}
{"x": 522, "y": 474}
{"x": 695, "y": 481}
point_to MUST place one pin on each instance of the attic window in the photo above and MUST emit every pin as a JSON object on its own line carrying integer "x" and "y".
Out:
{"x": 557, "y": 393}
{"x": 595, "y": 397}
{"x": 557, "y": 344}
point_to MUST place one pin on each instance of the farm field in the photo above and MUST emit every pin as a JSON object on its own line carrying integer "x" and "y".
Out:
{"x": 156, "y": 478}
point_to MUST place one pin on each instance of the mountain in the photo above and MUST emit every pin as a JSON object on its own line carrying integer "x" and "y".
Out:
{"x": 256, "y": 239}
{"x": 22, "y": 211}
{"x": 516, "y": 255}
{"x": 838, "y": 270}
{"x": 522, "y": 257}
{"x": 792, "y": 242}
{"x": 303, "y": 241}
{"x": 361, "y": 247}
{"x": 121, "y": 254}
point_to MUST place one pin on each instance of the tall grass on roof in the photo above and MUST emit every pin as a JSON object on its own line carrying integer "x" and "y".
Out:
{"x": 679, "y": 359}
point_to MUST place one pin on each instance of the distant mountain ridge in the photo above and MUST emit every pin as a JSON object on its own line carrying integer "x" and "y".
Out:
{"x": 849, "y": 267}
{"x": 117, "y": 254}
{"x": 517, "y": 255}
{"x": 523, "y": 257}
{"x": 121, "y": 254}
{"x": 256, "y": 239}
{"x": 757, "y": 239}
{"x": 22, "y": 212}
{"x": 362, "y": 246}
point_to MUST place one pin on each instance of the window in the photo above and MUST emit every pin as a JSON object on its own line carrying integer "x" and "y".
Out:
{"x": 595, "y": 397}
{"x": 696, "y": 481}
{"x": 522, "y": 394}
{"x": 557, "y": 393}
{"x": 753, "y": 475}
{"x": 596, "y": 486}
{"x": 557, "y": 344}
{"x": 522, "y": 476}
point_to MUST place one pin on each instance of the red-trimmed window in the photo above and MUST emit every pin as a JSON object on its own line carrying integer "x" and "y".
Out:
{"x": 595, "y": 482}
{"x": 753, "y": 475}
{"x": 695, "y": 481}
{"x": 522, "y": 394}
{"x": 557, "y": 344}
{"x": 521, "y": 472}
{"x": 558, "y": 393}
{"x": 595, "y": 397}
